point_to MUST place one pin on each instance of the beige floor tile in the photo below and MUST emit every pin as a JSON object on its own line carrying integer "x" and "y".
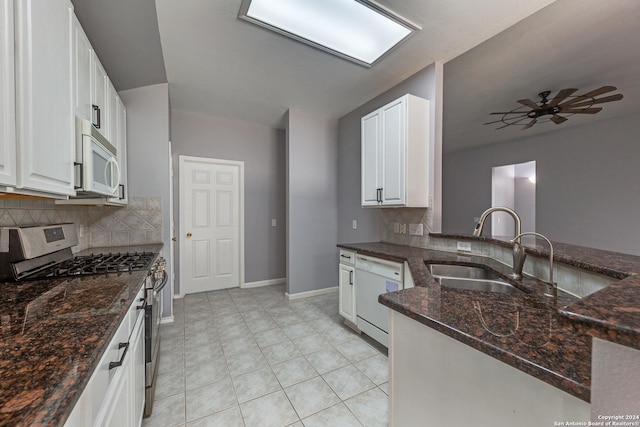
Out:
{"x": 371, "y": 408}
{"x": 294, "y": 371}
{"x": 272, "y": 410}
{"x": 300, "y": 396}
{"x": 255, "y": 384}
{"x": 210, "y": 399}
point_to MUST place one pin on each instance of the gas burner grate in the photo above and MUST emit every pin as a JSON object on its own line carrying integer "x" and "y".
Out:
{"x": 92, "y": 264}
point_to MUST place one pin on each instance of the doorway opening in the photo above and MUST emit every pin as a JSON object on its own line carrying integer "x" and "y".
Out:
{"x": 513, "y": 186}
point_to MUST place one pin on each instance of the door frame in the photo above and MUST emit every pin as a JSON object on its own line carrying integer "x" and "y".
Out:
{"x": 182, "y": 159}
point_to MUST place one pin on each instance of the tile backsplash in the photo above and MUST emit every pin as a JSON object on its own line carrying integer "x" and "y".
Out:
{"x": 138, "y": 223}
{"x": 406, "y": 216}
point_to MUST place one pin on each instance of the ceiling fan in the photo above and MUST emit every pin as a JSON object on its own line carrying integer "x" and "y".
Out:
{"x": 561, "y": 106}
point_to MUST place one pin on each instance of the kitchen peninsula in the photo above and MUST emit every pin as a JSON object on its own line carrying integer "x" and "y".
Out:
{"x": 453, "y": 359}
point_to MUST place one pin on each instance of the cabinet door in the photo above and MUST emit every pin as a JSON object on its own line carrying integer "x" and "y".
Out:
{"x": 44, "y": 95}
{"x": 370, "y": 158}
{"x": 119, "y": 400}
{"x": 346, "y": 300}
{"x": 82, "y": 62}
{"x": 122, "y": 151}
{"x": 137, "y": 371}
{"x": 100, "y": 98}
{"x": 112, "y": 115}
{"x": 7, "y": 96}
{"x": 118, "y": 121}
{"x": 393, "y": 149}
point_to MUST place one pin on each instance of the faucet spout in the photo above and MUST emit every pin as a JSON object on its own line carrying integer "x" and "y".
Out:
{"x": 554, "y": 286}
{"x": 516, "y": 221}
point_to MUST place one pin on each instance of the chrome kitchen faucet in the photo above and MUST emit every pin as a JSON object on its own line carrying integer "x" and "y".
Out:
{"x": 518, "y": 254}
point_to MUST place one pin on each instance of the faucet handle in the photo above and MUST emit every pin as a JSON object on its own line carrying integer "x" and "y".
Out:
{"x": 519, "y": 256}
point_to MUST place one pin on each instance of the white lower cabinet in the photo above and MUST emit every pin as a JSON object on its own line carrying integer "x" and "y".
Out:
{"x": 347, "y": 286}
{"x": 114, "y": 395}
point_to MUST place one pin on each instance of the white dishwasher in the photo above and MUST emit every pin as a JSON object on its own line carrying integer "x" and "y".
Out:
{"x": 375, "y": 276}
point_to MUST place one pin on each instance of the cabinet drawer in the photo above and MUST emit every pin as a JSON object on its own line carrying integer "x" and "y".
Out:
{"x": 347, "y": 257}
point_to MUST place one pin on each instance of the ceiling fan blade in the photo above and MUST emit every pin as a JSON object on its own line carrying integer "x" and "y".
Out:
{"x": 600, "y": 91}
{"x": 587, "y": 103}
{"x": 558, "y": 119}
{"x": 512, "y": 123}
{"x": 571, "y": 110}
{"x": 561, "y": 96}
{"x": 511, "y": 112}
{"x": 531, "y": 123}
{"x": 528, "y": 103}
{"x": 490, "y": 123}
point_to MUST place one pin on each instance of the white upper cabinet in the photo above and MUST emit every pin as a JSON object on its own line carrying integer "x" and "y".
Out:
{"x": 100, "y": 99}
{"x": 45, "y": 96}
{"x": 395, "y": 154}
{"x": 82, "y": 64}
{"x": 118, "y": 131}
{"x": 7, "y": 96}
{"x": 96, "y": 100}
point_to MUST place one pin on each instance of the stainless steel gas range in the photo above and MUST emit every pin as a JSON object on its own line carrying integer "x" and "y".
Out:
{"x": 44, "y": 252}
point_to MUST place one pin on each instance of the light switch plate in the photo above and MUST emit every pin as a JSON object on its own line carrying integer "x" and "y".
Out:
{"x": 274, "y": 222}
{"x": 354, "y": 224}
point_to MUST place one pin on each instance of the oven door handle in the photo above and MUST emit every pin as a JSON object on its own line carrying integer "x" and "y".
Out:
{"x": 165, "y": 279}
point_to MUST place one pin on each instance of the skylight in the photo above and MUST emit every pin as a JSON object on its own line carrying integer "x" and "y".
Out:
{"x": 358, "y": 30}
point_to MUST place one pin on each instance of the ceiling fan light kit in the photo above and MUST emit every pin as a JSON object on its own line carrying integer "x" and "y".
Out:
{"x": 557, "y": 110}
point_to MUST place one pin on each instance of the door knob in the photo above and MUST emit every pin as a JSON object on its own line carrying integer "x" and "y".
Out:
{"x": 189, "y": 235}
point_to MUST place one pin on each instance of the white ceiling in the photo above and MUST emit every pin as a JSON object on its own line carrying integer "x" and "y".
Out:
{"x": 220, "y": 65}
{"x": 584, "y": 44}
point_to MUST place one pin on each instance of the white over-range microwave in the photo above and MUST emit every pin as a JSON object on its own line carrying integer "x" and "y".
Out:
{"x": 97, "y": 169}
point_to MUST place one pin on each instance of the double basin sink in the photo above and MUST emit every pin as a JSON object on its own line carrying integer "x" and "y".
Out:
{"x": 470, "y": 278}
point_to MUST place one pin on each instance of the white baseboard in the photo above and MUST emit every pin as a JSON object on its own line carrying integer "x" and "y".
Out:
{"x": 168, "y": 319}
{"x": 249, "y": 285}
{"x": 314, "y": 293}
{"x": 264, "y": 283}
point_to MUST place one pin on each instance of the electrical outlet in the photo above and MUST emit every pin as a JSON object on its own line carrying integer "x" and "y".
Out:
{"x": 354, "y": 224}
{"x": 416, "y": 230}
{"x": 463, "y": 246}
{"x": 274, "y": 222}
{"x": 403, "y": 228}
{"x": 396, "y": 227}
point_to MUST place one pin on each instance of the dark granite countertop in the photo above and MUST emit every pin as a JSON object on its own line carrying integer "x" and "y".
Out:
{"x": 54, "y": 333}
{"x": 525, "y": 331}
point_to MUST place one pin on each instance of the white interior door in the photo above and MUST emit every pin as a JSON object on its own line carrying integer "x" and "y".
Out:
{"x": 211, "y": 224}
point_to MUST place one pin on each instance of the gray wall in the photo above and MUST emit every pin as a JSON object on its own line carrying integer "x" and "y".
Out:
{"x": 263, "y": 151}
{"x": 148, "y": 157}
{"x": 423, "y": 84}
{"x": 312, "y": 202}
{"x": 587, "y": 183}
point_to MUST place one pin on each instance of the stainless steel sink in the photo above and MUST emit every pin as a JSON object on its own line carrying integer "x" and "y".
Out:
{"x": 471, "y": 278}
